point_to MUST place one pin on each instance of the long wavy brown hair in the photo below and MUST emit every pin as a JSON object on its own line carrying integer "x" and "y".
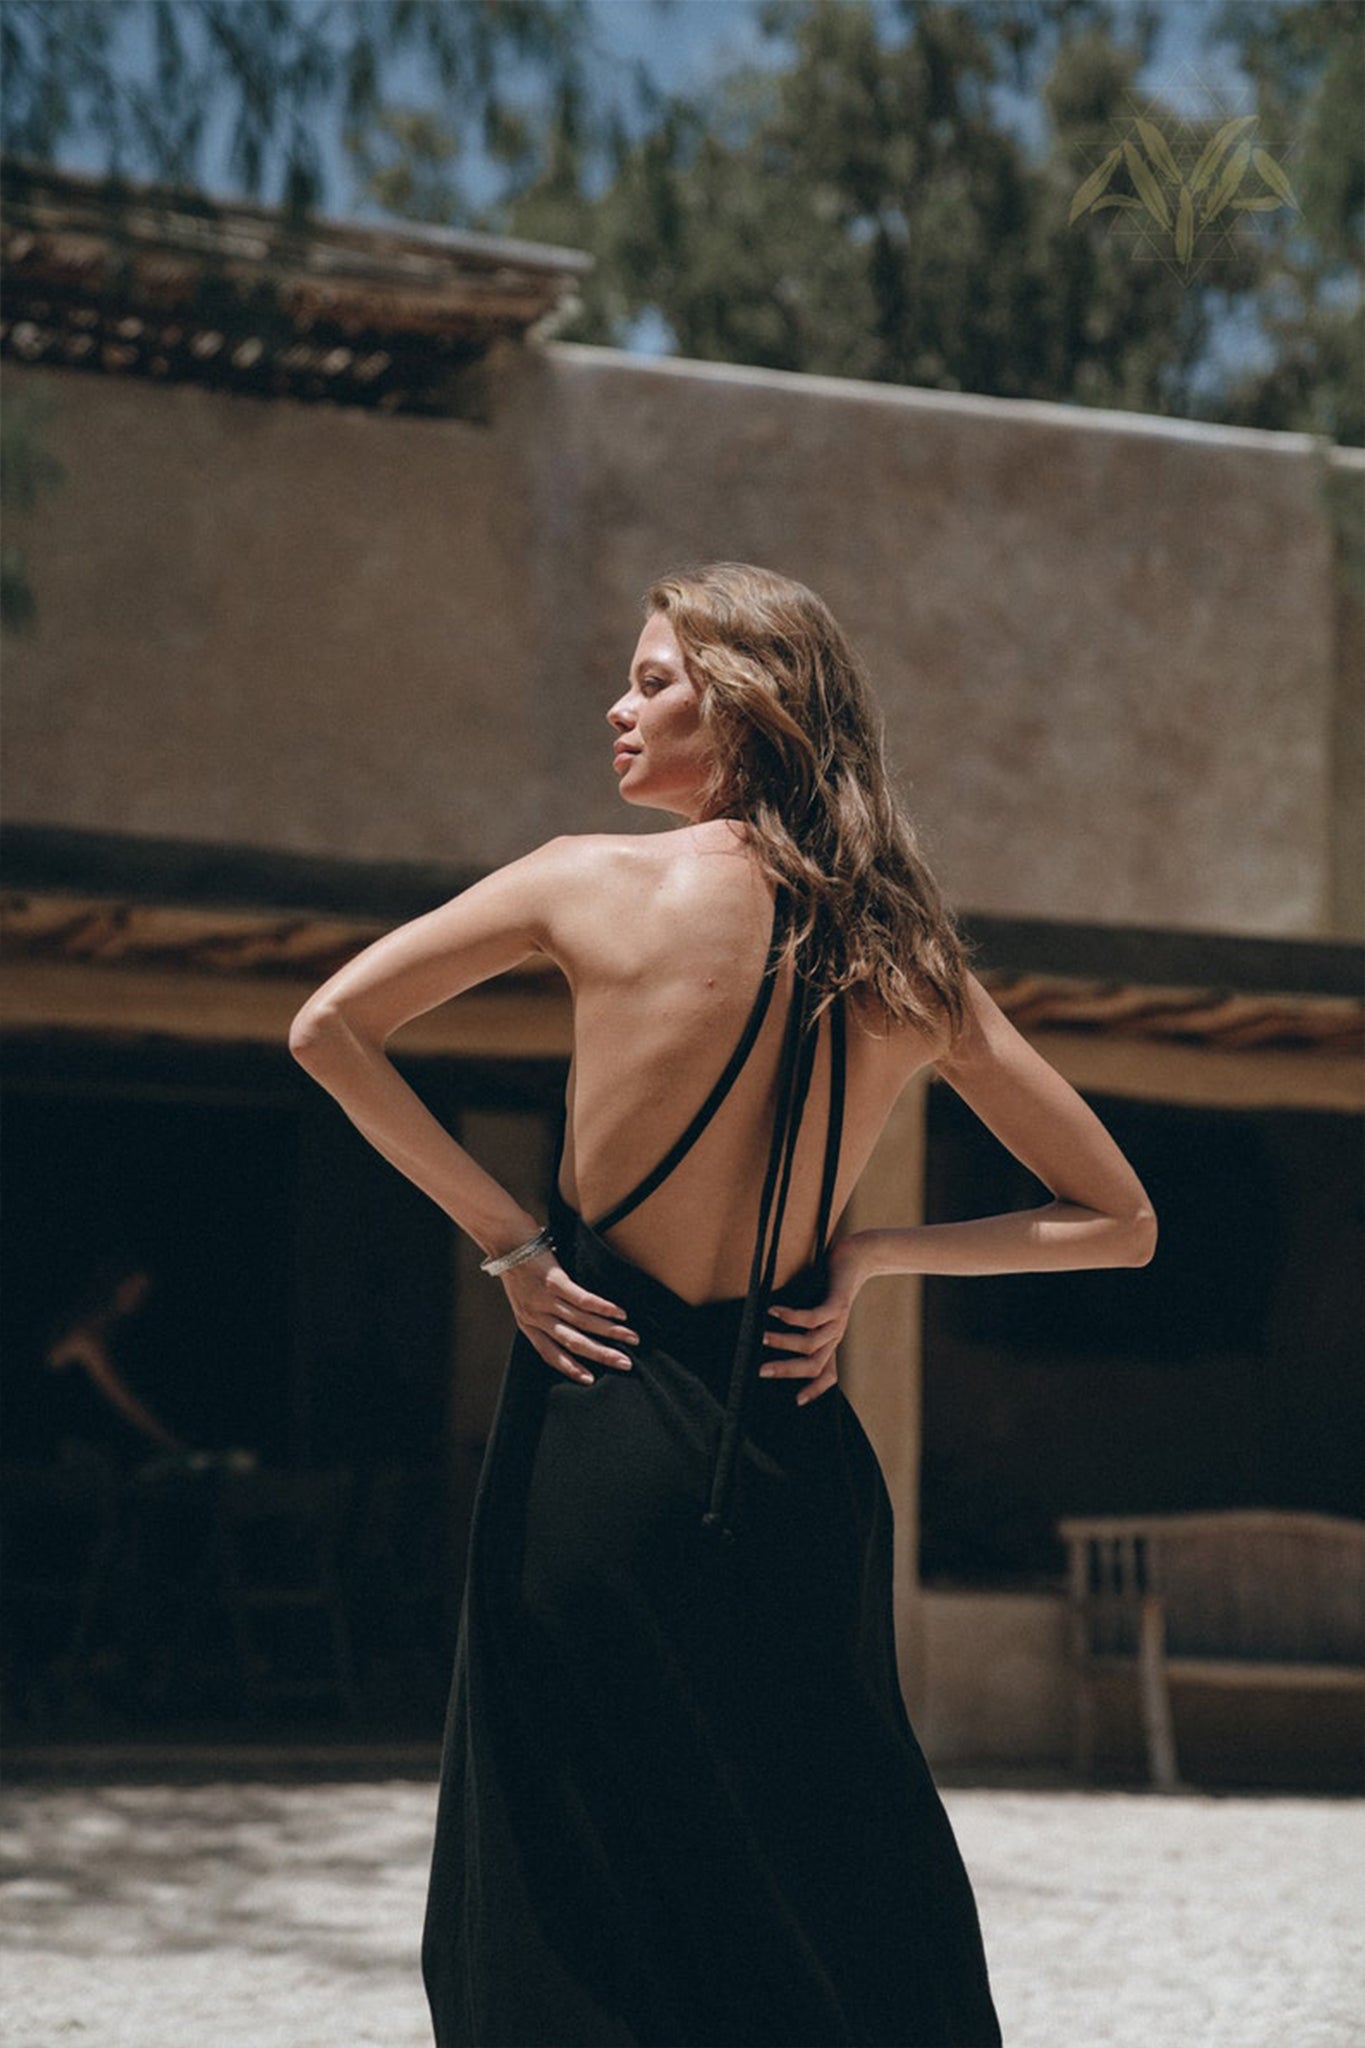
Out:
{"x": 798, "y": 754}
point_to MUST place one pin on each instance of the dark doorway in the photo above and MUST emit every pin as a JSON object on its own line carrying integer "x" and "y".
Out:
{"x": 1224, "y": 1373}
{"x": 292, "y": 1574}
{"x": 195, "y": 1184}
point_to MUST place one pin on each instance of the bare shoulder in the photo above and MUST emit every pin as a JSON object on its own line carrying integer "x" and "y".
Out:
{"x": 1036, "y": 1113}
{"x": 987, "y": 1038}
{"x": 604, "y": 887}
{"x": 897, "y": 1048}
{"x": 994, "y": 1068}
{"x": 558, "y": 899}
{"x": 974, "y": 1038}
{"x": 539, "y": 893}
{"x": 574, "y": 858}
{"x": 588, "y": 862}
{"x": 905, "y": 1046}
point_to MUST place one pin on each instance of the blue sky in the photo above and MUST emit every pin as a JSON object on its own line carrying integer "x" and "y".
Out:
{"x": 689, "y": 44}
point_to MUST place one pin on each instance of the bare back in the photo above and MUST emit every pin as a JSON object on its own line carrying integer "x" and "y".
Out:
{"x": 663, "y": 942}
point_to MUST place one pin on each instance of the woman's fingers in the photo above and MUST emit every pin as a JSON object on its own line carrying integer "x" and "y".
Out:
{"x": 786, "y": 1346}
{"x": 589, "y": 1311}
{"x": 787, "y": 1341}
{"x": 574, "y": 1296}
{"x": 818, "y": 1387}
{"x": 560, "y": 1360}
{"x": 561, "y": 1318}
{"x": 588, "y": 1346}
{"x": 804, "y": 1368}
{"x": 601, "y": 1326}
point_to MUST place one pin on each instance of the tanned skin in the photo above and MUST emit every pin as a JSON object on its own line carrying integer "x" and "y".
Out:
{"x": 662, "y": 939}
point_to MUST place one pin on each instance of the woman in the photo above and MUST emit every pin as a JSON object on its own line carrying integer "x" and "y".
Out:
{"x": 681, "y": 1805}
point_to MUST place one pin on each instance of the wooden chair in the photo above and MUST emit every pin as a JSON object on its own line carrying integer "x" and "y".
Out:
{"x": 1250, "y": 1598}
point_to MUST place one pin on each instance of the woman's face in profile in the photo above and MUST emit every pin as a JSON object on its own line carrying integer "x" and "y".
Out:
{"x": 662, "y": 755}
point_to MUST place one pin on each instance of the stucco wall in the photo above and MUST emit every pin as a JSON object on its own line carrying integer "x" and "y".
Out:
{"x": 272, "y": 624}
{"x": 987, "y": 1677}
{"x": 1107, "y": 646}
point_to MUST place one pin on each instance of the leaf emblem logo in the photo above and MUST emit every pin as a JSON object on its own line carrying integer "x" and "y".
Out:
{"x": 1180, "y": 203}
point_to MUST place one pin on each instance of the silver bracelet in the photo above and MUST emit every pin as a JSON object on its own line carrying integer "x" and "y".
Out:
{"x": 541, "y": 1242}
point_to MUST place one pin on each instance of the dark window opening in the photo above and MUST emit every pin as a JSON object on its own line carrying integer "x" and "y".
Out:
{"x": 299, "y": 1327}
{"x": 1224, "y": 1373}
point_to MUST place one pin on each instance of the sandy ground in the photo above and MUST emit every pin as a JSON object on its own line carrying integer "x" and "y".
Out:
{"x": 287, "y": 1916}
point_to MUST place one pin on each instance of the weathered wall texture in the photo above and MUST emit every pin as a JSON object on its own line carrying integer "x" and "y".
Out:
{"x": 1348, "y": 742}
{"x": 988, "y": 1677}
{"x": 272, "y": 624}
{"x": 1108, "y": 647}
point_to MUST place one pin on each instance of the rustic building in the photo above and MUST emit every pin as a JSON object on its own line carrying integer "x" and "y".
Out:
{"x": 343, "y": 573}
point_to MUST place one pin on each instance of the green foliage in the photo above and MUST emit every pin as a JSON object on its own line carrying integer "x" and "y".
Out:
{"x": 405, "y": 159}
{"x": 1308, "y": 64}
{"x": 140, "y": 79}
{"x": 858, "y": 206}
{"x": 863, "y": 212}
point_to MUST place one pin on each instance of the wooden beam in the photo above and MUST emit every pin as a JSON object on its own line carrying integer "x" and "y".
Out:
{"x": 504, "y": 1019}
{"x": 1206, "y": 1076}
{"x": 485, "y": 1023}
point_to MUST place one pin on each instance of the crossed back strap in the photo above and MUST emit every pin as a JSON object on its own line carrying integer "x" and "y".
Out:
{"x": 795, "y": 1066}
{"x": 730, "y": 1073}
{"x": 797, "y": 1062}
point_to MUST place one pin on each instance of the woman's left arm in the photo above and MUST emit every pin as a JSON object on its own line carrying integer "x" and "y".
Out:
{"x": 339, "y": 1037}
{"x": 1100, "y": 1214}
{"x": 340, "y": 1034}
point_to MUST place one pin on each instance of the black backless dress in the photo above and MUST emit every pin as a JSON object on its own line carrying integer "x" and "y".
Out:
{"x": 681, "y": 1804}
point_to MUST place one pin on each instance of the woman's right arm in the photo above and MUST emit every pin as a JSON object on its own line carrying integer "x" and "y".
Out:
{"x": 1099, "y": 1215}
{"x": 339, "y": 1037}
